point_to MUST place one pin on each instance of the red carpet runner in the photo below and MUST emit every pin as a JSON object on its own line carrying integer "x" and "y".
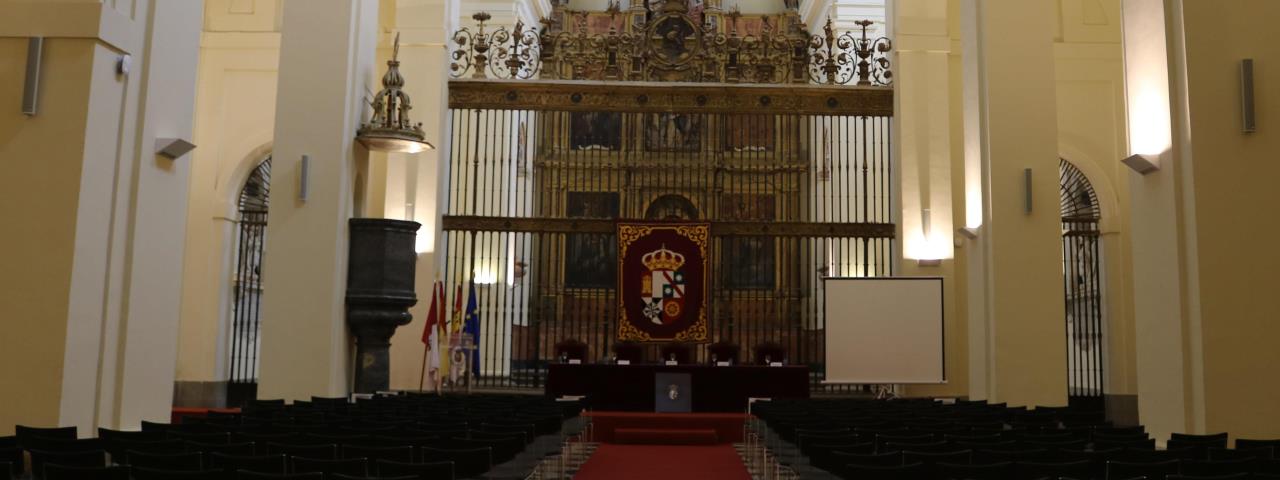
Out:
{"x": 627, "y": 462}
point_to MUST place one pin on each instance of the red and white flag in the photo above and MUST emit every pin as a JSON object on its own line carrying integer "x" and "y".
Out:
{"x": 430, "y": 336}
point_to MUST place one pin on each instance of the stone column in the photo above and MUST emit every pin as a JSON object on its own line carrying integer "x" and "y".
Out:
{"x": 326, "y": 68}
{"x": 1015, "y": 292}
{"x": 93, "y": 262}
{"x": 923, "y": 80}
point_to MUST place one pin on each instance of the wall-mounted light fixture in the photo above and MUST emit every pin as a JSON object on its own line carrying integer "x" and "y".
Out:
{"x": 173, "y": 148}
{"x": 31, "y": 86}
{"x": 1142, "y": 163}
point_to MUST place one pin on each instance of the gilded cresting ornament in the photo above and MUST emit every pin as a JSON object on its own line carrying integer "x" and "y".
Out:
{"x": 390, "y": 129}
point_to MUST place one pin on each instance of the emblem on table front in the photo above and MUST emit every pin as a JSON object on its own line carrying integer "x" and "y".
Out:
{"x": 673, "y": 391}
{"x": 662, "y": 286}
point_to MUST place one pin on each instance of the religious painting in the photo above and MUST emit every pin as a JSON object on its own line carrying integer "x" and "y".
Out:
{"x": 749, "y": 133}
{"x": 599, "y": 23}
{"x": 679, "y": 132}
{"x": 749, "y": 260}
{"x": 672, "y": 39}
{"x": 662, "y": 281}
{"x": 595, "y": 130}
{"x": 590, "y": 259}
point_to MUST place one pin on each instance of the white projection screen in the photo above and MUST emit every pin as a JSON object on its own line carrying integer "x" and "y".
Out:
{"x": 884, "y": 330}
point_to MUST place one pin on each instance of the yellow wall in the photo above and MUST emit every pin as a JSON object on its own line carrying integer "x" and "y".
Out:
{"x": 235, "y": 116}
{"x": 1234, "y": 177}
{"x": 39, "y": 195}
{"x": 96, "y": 279}
{"x": 1091, "y": 135}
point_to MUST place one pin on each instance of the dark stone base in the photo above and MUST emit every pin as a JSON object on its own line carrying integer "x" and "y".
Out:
{"x": 200, "y": 394}
{"x": 1122, "y": 410}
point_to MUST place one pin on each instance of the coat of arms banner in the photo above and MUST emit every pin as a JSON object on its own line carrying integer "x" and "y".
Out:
{"x": 662, "y": 281}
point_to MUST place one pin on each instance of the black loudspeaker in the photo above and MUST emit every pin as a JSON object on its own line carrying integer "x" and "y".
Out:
{"x": 380, "y": 290}
{"x": 1250, "y": 123}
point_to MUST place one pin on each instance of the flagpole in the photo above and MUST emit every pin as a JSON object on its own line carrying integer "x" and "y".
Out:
{"x": 422, "y": 376}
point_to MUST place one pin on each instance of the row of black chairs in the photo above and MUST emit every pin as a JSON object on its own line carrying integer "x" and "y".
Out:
{"x": 427, "y": 436}
{"x": 924, "y": 439}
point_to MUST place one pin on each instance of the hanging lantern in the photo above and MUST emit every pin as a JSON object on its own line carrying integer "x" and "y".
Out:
{"x": 390, "y": 130}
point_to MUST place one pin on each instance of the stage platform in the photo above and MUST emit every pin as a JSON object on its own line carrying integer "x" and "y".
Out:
{"x": 667, "y": 428}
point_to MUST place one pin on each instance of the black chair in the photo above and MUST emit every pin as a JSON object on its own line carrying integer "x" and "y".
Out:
{"x": 1248, "y": 443}
{"x": 888, "y": 459}
{"x": 1212, "y": 439}
{"x": 422, "y": 471}
{"x": 768, "y": 352}
{"x": 403, "y": 453}
{"x": 340, "y": 476}
{"x": 1211, "y": 477}
{"x": 252, "y": 463}
{"x": 467, "y": 462}
{"x": 248, "y": 475}
{"x": 1219, "y": 467}
{"x": 63, "y": 444}
{"x": 1079, "y": 469}
{"x": 346, "y": 466}
{"x": 190, "y": 461}
{"x": 60, "y": 472}
{"x": 109, "y": 434}
{"x": 902, "y": 472}
{"x": 723, "y": 352}
{"x": 119, "y": 448}
{"x": 13, "y": 457}
{"x": 930, "y": 447}
{"x": 247, "y": 449}
{"x": 679, "y": 352}
{"x": 1149, "y": 470}
{"x": 161, "y": 474}
{"x": 629, "y": 351}
{"x": 202, "y": 437}
{"x": 9, "y": 441}
{"x": 329, "y": 451}
{"x": 23, "y": 433}
{"x": 40, "y": 458}
{"x": 571, "y": 349}
{"x": 990, "y": 471}
{"x": 1255, "y": 453}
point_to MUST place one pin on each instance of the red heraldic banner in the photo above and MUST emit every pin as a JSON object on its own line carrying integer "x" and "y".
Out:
{"x": 662, "y": 281}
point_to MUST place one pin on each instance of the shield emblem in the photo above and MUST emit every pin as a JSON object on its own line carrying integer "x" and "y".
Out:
{"x": 664, "y": 299}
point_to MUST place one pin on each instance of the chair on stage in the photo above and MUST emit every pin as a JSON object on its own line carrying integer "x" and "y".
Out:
{"x": 768, "y": 352}
{"x": 723, "y": 352}
{"x": 571, "y": 349}
{"x": 629, "y": 351}
{"x": 680, "y": 352}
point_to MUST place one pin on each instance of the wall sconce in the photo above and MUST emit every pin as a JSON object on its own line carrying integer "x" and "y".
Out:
{"x": 172, "y": 148}
{"x": 1142, "y": 163}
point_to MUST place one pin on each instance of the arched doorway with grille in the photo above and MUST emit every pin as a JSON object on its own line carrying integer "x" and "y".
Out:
{"x": 1082, "y": 287}
{"x": 246, "y": 308}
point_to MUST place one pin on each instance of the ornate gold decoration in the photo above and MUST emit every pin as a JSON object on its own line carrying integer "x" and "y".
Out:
{"x": 644, "y": 97}
{"x": 505, "y": 54}
{"x": 672, "y": 45}
{"x": 662, "y": 259}
{"x": 390, "y": 129}
{"x": 719, "y": 228}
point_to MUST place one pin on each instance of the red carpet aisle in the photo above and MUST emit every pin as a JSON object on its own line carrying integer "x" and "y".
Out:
{"x": 626, "y": 462}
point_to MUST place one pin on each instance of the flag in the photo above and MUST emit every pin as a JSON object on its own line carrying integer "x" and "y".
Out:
{"x": 434, "y": 315}
{"x": 430, "y": 336}
{"x": 472, "y": 326}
